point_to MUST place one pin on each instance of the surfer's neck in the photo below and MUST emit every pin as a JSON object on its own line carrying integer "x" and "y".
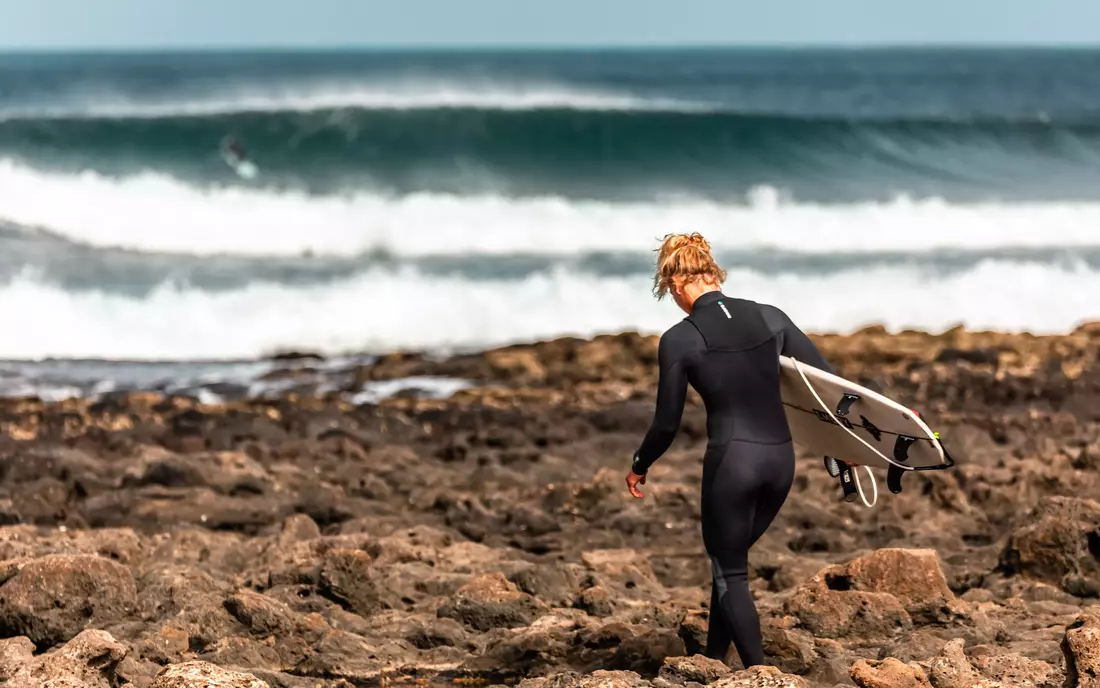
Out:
{"x": 693, "y": 291}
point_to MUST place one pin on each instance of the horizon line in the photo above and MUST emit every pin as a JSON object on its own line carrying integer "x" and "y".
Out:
{"x": 544, "y": 47}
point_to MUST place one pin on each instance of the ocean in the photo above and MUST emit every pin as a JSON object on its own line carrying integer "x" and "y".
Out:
{"x": 451, "y": 200}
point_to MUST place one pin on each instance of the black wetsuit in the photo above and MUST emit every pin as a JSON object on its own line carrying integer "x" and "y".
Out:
{"x": 728, "y": 349}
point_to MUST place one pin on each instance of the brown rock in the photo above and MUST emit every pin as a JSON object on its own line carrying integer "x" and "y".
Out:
{"x": 14, "y": 654}
{"x": 87, "y": 661}
{"x": 913, "y": 576}
{"x": 233, "y": 651}
{"x": 290, "y": 561}
{"x": 134, "y": 672}
{"x": 226, "y": 472}
{"x": 51, "y": 599}
{"x": 838, "y": 613}
{"x": 1016, "y": 670}
{"x": 761, "y": 677}
{"x": 597, "y": 679}
{"x": 349, "y": 656}
{"x": 349, "y": 577}
{"x": 204, "y": 675}
{"x": 888, "y": 673}
{"x": 492, "y": 601}
{"x": 298, "y": 528}
{"x": 919, "y": 645}
{"x": 952, "y": 669}
{"x": 597, "y": 601}
{"x": 265, "y": 616}
{"x": 616, "y": 645}
{"x": 788, "y": 648}
{"x": 696, "y": 668}
{"x": 1056, "y": 543}
{"x": 172, "y": 642}
{"x": 693, "y": 631}
{"x": 1081, "y": 647}
{"x": 204, "y": 621}
{"x": 543, "y": 646}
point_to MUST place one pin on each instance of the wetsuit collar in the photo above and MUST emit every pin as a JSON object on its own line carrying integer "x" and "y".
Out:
{"x": 708, "y": 298}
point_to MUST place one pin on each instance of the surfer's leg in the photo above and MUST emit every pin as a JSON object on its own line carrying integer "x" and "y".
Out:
{"x": 742, "y": 493}
{"x": 718, "y": 636}
{"x": 774, "y": 490}
{"x": 729, "y": 508}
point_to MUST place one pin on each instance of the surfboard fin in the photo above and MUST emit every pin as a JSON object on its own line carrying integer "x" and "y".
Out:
{"x": 901, "y": 448}
{"x": 901, "y": 455}
{"x": 845, "y": 403}
{"x": 832, "y": 466}
{"x": 893, "y": 479}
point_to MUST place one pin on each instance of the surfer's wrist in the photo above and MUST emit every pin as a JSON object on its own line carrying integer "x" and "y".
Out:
{"x": 636, "y": 466}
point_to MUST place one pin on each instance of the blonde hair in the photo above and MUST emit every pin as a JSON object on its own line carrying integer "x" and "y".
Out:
{"x": 684, "y": 258}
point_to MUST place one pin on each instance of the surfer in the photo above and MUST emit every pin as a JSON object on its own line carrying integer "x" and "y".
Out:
{"x": 728, "y": 349}
{"x": 234, "y": 154}
{"x": 232, "y": 146}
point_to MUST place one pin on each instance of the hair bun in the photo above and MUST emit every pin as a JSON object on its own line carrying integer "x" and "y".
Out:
{"x": 696, "y": 239}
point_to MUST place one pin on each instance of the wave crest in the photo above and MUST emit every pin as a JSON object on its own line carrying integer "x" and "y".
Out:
{"x": 155, "y": 213}
{"x": 385, "y": 310}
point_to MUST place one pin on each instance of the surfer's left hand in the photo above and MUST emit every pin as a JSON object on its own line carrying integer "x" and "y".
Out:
{"x": 633, "y": 480}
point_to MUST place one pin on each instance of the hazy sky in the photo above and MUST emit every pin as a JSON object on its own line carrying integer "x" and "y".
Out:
{"x": 139, "y": 23}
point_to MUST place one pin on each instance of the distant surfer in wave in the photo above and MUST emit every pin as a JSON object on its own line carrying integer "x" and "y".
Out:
{"x": 728, "y": 349}
{"x": 235, "y": 155}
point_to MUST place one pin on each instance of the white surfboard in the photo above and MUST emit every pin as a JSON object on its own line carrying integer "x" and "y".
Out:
{"x": 834, "y": 417}
{"x": 245, "y": 169}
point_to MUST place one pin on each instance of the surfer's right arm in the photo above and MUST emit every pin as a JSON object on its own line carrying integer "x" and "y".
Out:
{"x": 675, "y": 346}
{"x": 795, "y": 343}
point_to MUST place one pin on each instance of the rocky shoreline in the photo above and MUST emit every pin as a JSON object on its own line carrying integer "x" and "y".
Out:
{"x": 306, "y": 540}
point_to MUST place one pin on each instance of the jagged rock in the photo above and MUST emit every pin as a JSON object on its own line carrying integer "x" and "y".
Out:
{"x": 349, "y": 577}
{"x": 919, "y": 645}
{"x": 696, "y": 668}
{"x": 597, "y": 679}
{"x": 788, "y": 648}
{"x": 912, "y": 576}
{"x": 1013, "y": 669}
{"x": 204, "y": 675}
{"x": 1081, "y": 647}
{"x": 492, "y": 601}
{"x": 829, "y": 608}
{"x": 51, "y": 599}
{"x": 888, "y": 673}
{"x": 952, "y": 669}
{"x": 1057, "y": 542}
{"x": 87, "y": 661}
{"x": 761, "y": 677}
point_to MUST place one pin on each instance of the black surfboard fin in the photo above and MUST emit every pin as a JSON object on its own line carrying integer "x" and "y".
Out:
{"x": 832, "y": 466}
{"x": 893, "y": 478}
{"x": 901, "y": 448}
{"x": 901, "y": 455}
{"x": 845, "y": 404}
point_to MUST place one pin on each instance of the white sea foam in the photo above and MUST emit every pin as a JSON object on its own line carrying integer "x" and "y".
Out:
{"x": 380, "y": 310}
{"x": 153, "y": 212}
{"x": 290, "y": 96}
